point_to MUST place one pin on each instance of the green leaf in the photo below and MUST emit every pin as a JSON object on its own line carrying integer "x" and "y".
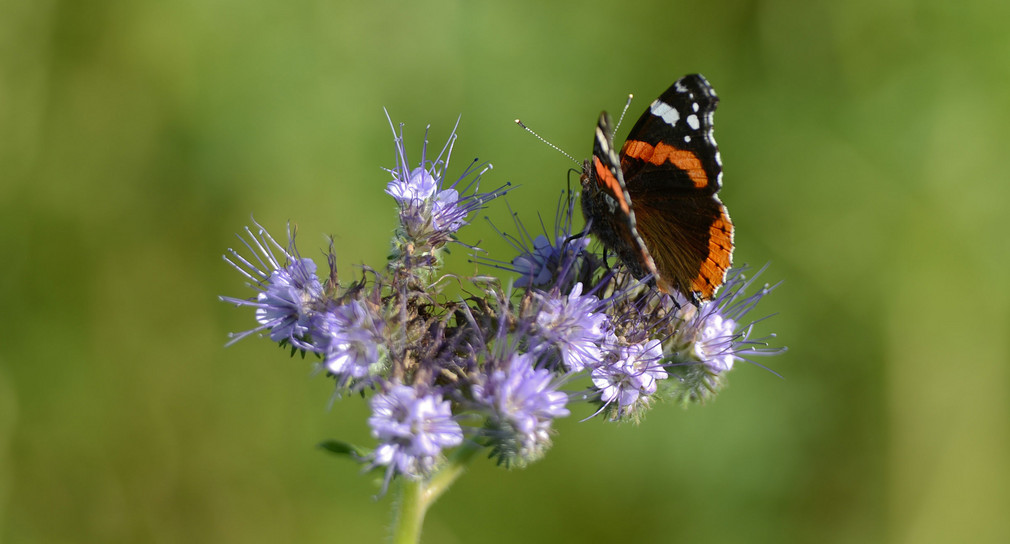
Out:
{"x": 339, "y": 447}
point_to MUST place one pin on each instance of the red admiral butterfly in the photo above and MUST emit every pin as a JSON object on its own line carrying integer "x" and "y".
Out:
{"x": 655, "y": 204}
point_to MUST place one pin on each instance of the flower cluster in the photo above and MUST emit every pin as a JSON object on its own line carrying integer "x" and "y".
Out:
{"x": 492, "y": 369}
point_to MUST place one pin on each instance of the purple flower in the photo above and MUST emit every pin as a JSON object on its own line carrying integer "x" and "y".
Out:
{"x": 349, "y": 339}
{"x": 714, "y": 343}
{"x": 534, "y": 267}
{"x": 414, "y": 189}
{"x": 289, "y": 291}
{"x": 447, "y": 215}
{"x": 412, "y": 429}
{"x": 712, "y": 334}
{"x": 523, "y": 402}
{"x": 413, "y": 192}
{"x": 554, "y": 258}
{"x": 709, "y": 339}
{"x": 431, "y": 209}
{"x": 573, "y": 325}
{"x": 541, "y": 266}
{"x": 630, "y": 380}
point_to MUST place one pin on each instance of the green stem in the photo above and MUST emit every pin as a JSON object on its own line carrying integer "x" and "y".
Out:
{"x": 409, "y": 514}
{"x": 455, "y": 468}
{"x": 415, "y": 496}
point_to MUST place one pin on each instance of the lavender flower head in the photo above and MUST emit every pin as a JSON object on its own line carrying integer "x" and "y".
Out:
{"x": 412, "y": 192}
{"x": 289, "y": 292}
{"x": 543, "y": 265}
{"x": 714, "y": 343}
{"x": 431, "y": 208}
{"x": 535, "y": 268}
{"x": 522, "y": 402}
{"x": 707, "y": 340}
{"x": 413, "y": 428}
{"x": 350, "y": 339}
{"x": 572, "y": 325}
{"x": 447, "y": 213}
{"x": 555, "y": 258}
{"x": 628, "y": 378}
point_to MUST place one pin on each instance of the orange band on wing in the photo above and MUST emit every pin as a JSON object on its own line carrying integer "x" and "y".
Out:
{"x": 661, "y": 153}
{"x": 606, "y": 179}
{"x": 720, "y": 254}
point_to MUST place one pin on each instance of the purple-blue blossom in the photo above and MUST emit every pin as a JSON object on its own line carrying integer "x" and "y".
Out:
{"x": 541, "y": 266}
{"x": 713, "y": 333}
{"x": 714, "y": 343}
{"x": 574, "y": 325}
{"x": 522, "y": 402}
{"x": 556, "y": 258}
{"x": 413, "y": 189}
{"x": 447, "y": 215}
{"x": 288, "y": 302}
{"x": 535, "y": 267}
{"x": 704, "y": 342}
{"x": 431, "y": 208}
{"x": 628, "y": 380}
{"x": 349, "y": 338}
{"x": 412, "y": 429}
{"x": 289, "y": 292}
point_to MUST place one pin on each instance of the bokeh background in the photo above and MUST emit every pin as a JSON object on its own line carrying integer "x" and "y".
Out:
{"x": 865, "y": 147}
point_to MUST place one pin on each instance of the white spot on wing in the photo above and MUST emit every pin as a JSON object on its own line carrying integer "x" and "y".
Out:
{"x": 687, "y": 139}
{"x": 692, "y": 121}
{"x": 694, "y": 105}
{"x": 666, "y": 112}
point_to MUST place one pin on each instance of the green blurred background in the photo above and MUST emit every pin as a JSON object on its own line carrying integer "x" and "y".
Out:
{"x": 865, "y": 147}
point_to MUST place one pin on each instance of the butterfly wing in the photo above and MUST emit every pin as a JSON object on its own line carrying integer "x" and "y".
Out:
{"x": 673, "y": 171}
{"x": 606, "y": 203}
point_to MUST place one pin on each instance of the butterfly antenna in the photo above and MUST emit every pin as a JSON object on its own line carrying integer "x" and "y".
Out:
{"x": 625, "y": 110}
{"x": 556, "y": 148}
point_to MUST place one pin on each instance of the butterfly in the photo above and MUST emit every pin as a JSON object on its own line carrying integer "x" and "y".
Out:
{"x": 654, "y": 204}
